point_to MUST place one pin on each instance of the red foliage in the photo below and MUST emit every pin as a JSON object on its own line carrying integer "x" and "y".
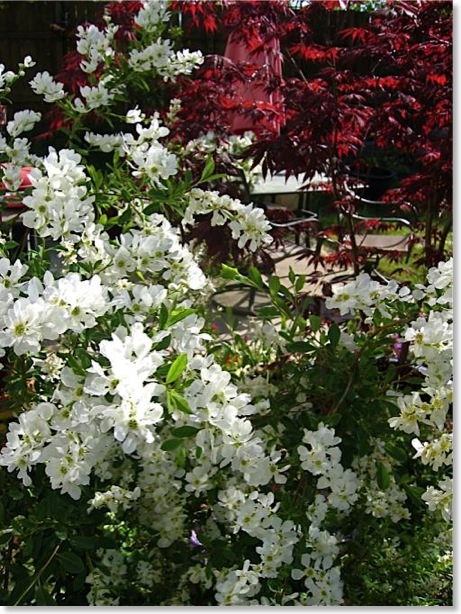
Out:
{"x": 201, "y": 14}
{"x": 387, "y": 80}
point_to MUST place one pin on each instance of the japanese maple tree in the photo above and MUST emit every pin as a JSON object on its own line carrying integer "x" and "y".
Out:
{"x": 385, "y": 79}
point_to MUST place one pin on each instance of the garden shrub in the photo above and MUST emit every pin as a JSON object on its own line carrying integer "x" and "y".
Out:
{"x": 146, "y": 460}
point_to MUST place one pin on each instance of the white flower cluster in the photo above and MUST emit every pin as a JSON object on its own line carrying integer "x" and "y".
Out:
{"x": 105, "y": 142}
{"x": 59, "y": 204}
{"x": 151, "y": 14}
{"x": 156, "y": 252}
{"x": 322, "y": 458}
{"x": 44, "y": 85}
{"x": 6, "y": 79}
{"x": 23, "y": 121}
{"x": 437, "y": 452}
{"x": 388, "y": 502}
{"x": 34, "y": 312}
{"x": 321, "y": 579}
{"x": 440, "y": 499}
{"x": 17, "y": 151}
{"x": 161, "y": 58}
{"x": 100, "y": 581}
{"x": 339, "y": 490}
{"x": 148, "y": 158}
{"x": 114, "y": 498}
{"x": 248, "y": 224}
{"x": 97, "y": 49}
{"x": 365, "y": 294}
{"x": 225, "y": 146}
{"x": 96, "y": 96}
{"x": 95, "y": 45}
{"x": 255, "y": 514}
{"x": 431, "y": 342}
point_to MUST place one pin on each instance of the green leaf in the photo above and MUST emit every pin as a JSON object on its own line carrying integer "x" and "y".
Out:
{"x": 177, "y": 401}
{"x": 163, "y": 316}
{"x": 185, "y": 431}
{"x": 274, "y": 285}
{"x": 83, "y": 542}
{"x": 71, "y": 562}
{"x": 300, "y": 347}
{"x": 383, "y": 477}
{"x": 299, "y": 284}
{"x": 315, "y": 322}
{"x": 334, "y": 335}
{"x": 75, "y": 365}
{"x": 268, "y": 312}
{"x": 10, "y": 244}
{"x": 398, "y": 454}
{"x": 228, "y": 272}
{"x": 171, "y": 444}
{"x": 208, "y": 169}
{"x": 176, "y": 368}
{"x": 214, "y": 176}
{"x": 163, "y": 344}
{"x": 414, "y": 492}
{"x": 283, "y": 307}
{"x": 178, "y": 315}
{"x": 181, "y": 457}
{"x": 255, "y": 276}
{"x": 188, "y": 176}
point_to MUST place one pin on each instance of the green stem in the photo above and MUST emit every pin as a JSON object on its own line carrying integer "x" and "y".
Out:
{"x": 37, "y": 576}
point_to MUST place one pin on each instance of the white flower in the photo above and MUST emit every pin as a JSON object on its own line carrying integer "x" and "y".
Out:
{"x": 59, "y": 204}
{"x": 95, "y": 97}
{"x": 343, "y": 484}
{"x": 106, "y": 142}
{"x": 440, "y": 499}
{"x": 132, "y": 420}
{"x": 23, "y": 121}
{"x": 95, "y": 45}
{"x": 154, "y": 163}
{"x": 25, "y": 441}
{"x": 155, "y": 56}
{"x": 114, "y": 498}
{"x": 323, "y": 453}
{"x": 28, "y": 62}
{"x": 412, "y": 411}
{"x": 135, "y": 116}
{"x": 23, "y": 326}
{"x": 151, "y": 14}
{"x": 435, "y": 453}
{"x": 251, "y": 225}
{"x": 44, "y": 85}
{"x": 11, "y": 177}
{"x": 6, "y": 78}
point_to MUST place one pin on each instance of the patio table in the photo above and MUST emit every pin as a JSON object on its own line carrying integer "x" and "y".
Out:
{"x": 278, "y": 184}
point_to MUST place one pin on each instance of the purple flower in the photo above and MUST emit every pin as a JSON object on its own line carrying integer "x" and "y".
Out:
{"x": 194, "y": 540}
